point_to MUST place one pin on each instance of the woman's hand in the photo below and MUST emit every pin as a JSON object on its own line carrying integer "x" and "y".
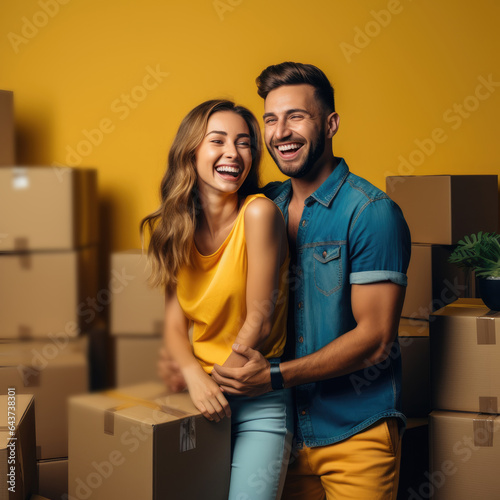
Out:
{"x": 206, "y": 394}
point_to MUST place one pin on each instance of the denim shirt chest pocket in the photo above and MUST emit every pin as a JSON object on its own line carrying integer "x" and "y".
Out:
{"x": 327, "y": 268}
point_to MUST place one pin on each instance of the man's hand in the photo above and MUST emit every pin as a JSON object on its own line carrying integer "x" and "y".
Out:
{"x": 252, "y": 379}
{"x": 169, "y": 372}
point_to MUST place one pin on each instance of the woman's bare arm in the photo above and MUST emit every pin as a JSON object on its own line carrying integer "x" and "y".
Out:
{"x": 266, "y": 243}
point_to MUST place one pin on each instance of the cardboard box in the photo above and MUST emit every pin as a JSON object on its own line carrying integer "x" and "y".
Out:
{"x": 136, "y": 308}
{"x": 147, "y": 445}
{"x": 52, "y": 371}
{"x": 465, "y": 357}
{"x": 17, "y": 445}
{"x": 7, "y": 140}
{"x": 442, "y": 209}
{"x": 48, "y": 293}
{"x": 136, "y": 359}
{"x": 433, "y": 282}
{"x": 53, "y": 478}
{"x": 464, "y": 457}
{"x": 47, "y": 208}
{"x": 415, "y": 360}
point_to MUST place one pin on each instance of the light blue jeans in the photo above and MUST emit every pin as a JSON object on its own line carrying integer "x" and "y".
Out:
{"x": 261, "y": 437}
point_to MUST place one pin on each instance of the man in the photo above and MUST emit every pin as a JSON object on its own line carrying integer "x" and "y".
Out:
{"x": 350, "y": 250}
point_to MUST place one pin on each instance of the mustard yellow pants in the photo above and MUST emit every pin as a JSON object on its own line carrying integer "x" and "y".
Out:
{"x": 363, "y": 467}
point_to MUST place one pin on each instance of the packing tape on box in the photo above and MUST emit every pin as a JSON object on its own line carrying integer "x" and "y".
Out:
{"x": 483, "y": 427}
{"x": 24, "y": 332}
{"x": 21, "y": 244}
{"x": 485, "y": 330}
{"x": 488, "y": 404}
{"x": 129, "y": 402}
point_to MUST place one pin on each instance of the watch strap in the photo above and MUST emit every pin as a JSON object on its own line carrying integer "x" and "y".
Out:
{"x": 277, "y": 382}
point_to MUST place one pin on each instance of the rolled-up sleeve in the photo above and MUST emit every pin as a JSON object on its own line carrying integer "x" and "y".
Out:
{"x": 379, "y": 244}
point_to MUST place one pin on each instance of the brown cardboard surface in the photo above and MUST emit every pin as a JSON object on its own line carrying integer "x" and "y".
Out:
{"x": 39, "y": 497}
{"x": 53, "y": 478}
{"x": 22, "y": 457}
{"x": 442, "y": 209}
{"x": 47, "y": 208}
{"x": 136, "y": 308}
{"x": 465, "y": 371}
{"x": 147, "y": 445}
{"x": 52, "y": 371}
{"x": 432, "y": 281}
{"x": 7, "y": 139}
{"x": 136, "y": 358}
{"x": 47, "y": 293}
{"x": 464, "y": 457}
{"x": 415, "y": 363}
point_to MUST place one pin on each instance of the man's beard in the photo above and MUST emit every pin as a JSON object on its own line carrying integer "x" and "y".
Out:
{"x": 315, "y": 153}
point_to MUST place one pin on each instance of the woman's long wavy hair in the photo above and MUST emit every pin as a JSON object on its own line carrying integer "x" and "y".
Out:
{"x": 172, "y": 226}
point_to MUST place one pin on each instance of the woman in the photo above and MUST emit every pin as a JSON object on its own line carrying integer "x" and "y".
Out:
{"x": 221, "y": 255}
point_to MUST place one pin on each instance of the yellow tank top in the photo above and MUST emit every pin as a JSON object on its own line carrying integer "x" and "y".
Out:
{"x": 212, "y": 294}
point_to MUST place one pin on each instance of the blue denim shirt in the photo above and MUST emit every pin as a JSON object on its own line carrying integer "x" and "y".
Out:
{"x": 350, "y": 232}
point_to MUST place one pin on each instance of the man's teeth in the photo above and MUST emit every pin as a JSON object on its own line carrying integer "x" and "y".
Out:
{"x": 288, "y": 147}
{"x": 230, "y": 170}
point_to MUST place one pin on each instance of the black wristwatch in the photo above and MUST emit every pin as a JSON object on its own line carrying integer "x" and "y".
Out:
{"x": 277, "y": 382}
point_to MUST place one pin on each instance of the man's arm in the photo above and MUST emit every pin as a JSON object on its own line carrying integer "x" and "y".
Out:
{"x": 376, "y": 308}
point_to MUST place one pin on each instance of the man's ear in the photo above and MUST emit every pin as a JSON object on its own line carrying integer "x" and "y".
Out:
{"x": 332, "y": 123}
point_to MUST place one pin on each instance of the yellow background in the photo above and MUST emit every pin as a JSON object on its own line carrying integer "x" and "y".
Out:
{"x": 397, "y": 78}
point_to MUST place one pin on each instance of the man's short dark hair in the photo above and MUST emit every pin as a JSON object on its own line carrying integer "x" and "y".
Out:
{"x": 290, "y": 73}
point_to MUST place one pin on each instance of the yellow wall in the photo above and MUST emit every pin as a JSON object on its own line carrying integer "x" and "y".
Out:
{"x": 401, "y": 69}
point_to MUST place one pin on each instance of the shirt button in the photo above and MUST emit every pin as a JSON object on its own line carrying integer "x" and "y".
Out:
{"x": 301, "y": 339}
{"x": 303, "y": 412}
{"x": 300, "y": 305}
{"x": 304, "y": 222}
{"x": 324, "y": 254}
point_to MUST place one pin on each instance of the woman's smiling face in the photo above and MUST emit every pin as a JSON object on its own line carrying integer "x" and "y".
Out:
{"x": 224, "y": 157}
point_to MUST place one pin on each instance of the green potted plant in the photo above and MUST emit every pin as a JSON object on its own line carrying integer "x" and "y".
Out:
{"x": 481, "y": 253}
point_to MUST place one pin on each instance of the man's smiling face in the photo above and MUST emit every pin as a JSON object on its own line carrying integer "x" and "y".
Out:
{"x": 295, "y": 129}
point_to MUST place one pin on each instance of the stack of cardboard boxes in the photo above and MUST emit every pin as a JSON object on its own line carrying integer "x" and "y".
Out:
{"x": 439, "y": 210}
{"x": 17, "y": 446}
{"x": 137, "y": 318}
{"x": 465, "y": 423}
{"x": 48, "y": 264}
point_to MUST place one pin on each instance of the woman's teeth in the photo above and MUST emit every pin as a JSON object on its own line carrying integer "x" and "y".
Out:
{"x": 228, "y": 170}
